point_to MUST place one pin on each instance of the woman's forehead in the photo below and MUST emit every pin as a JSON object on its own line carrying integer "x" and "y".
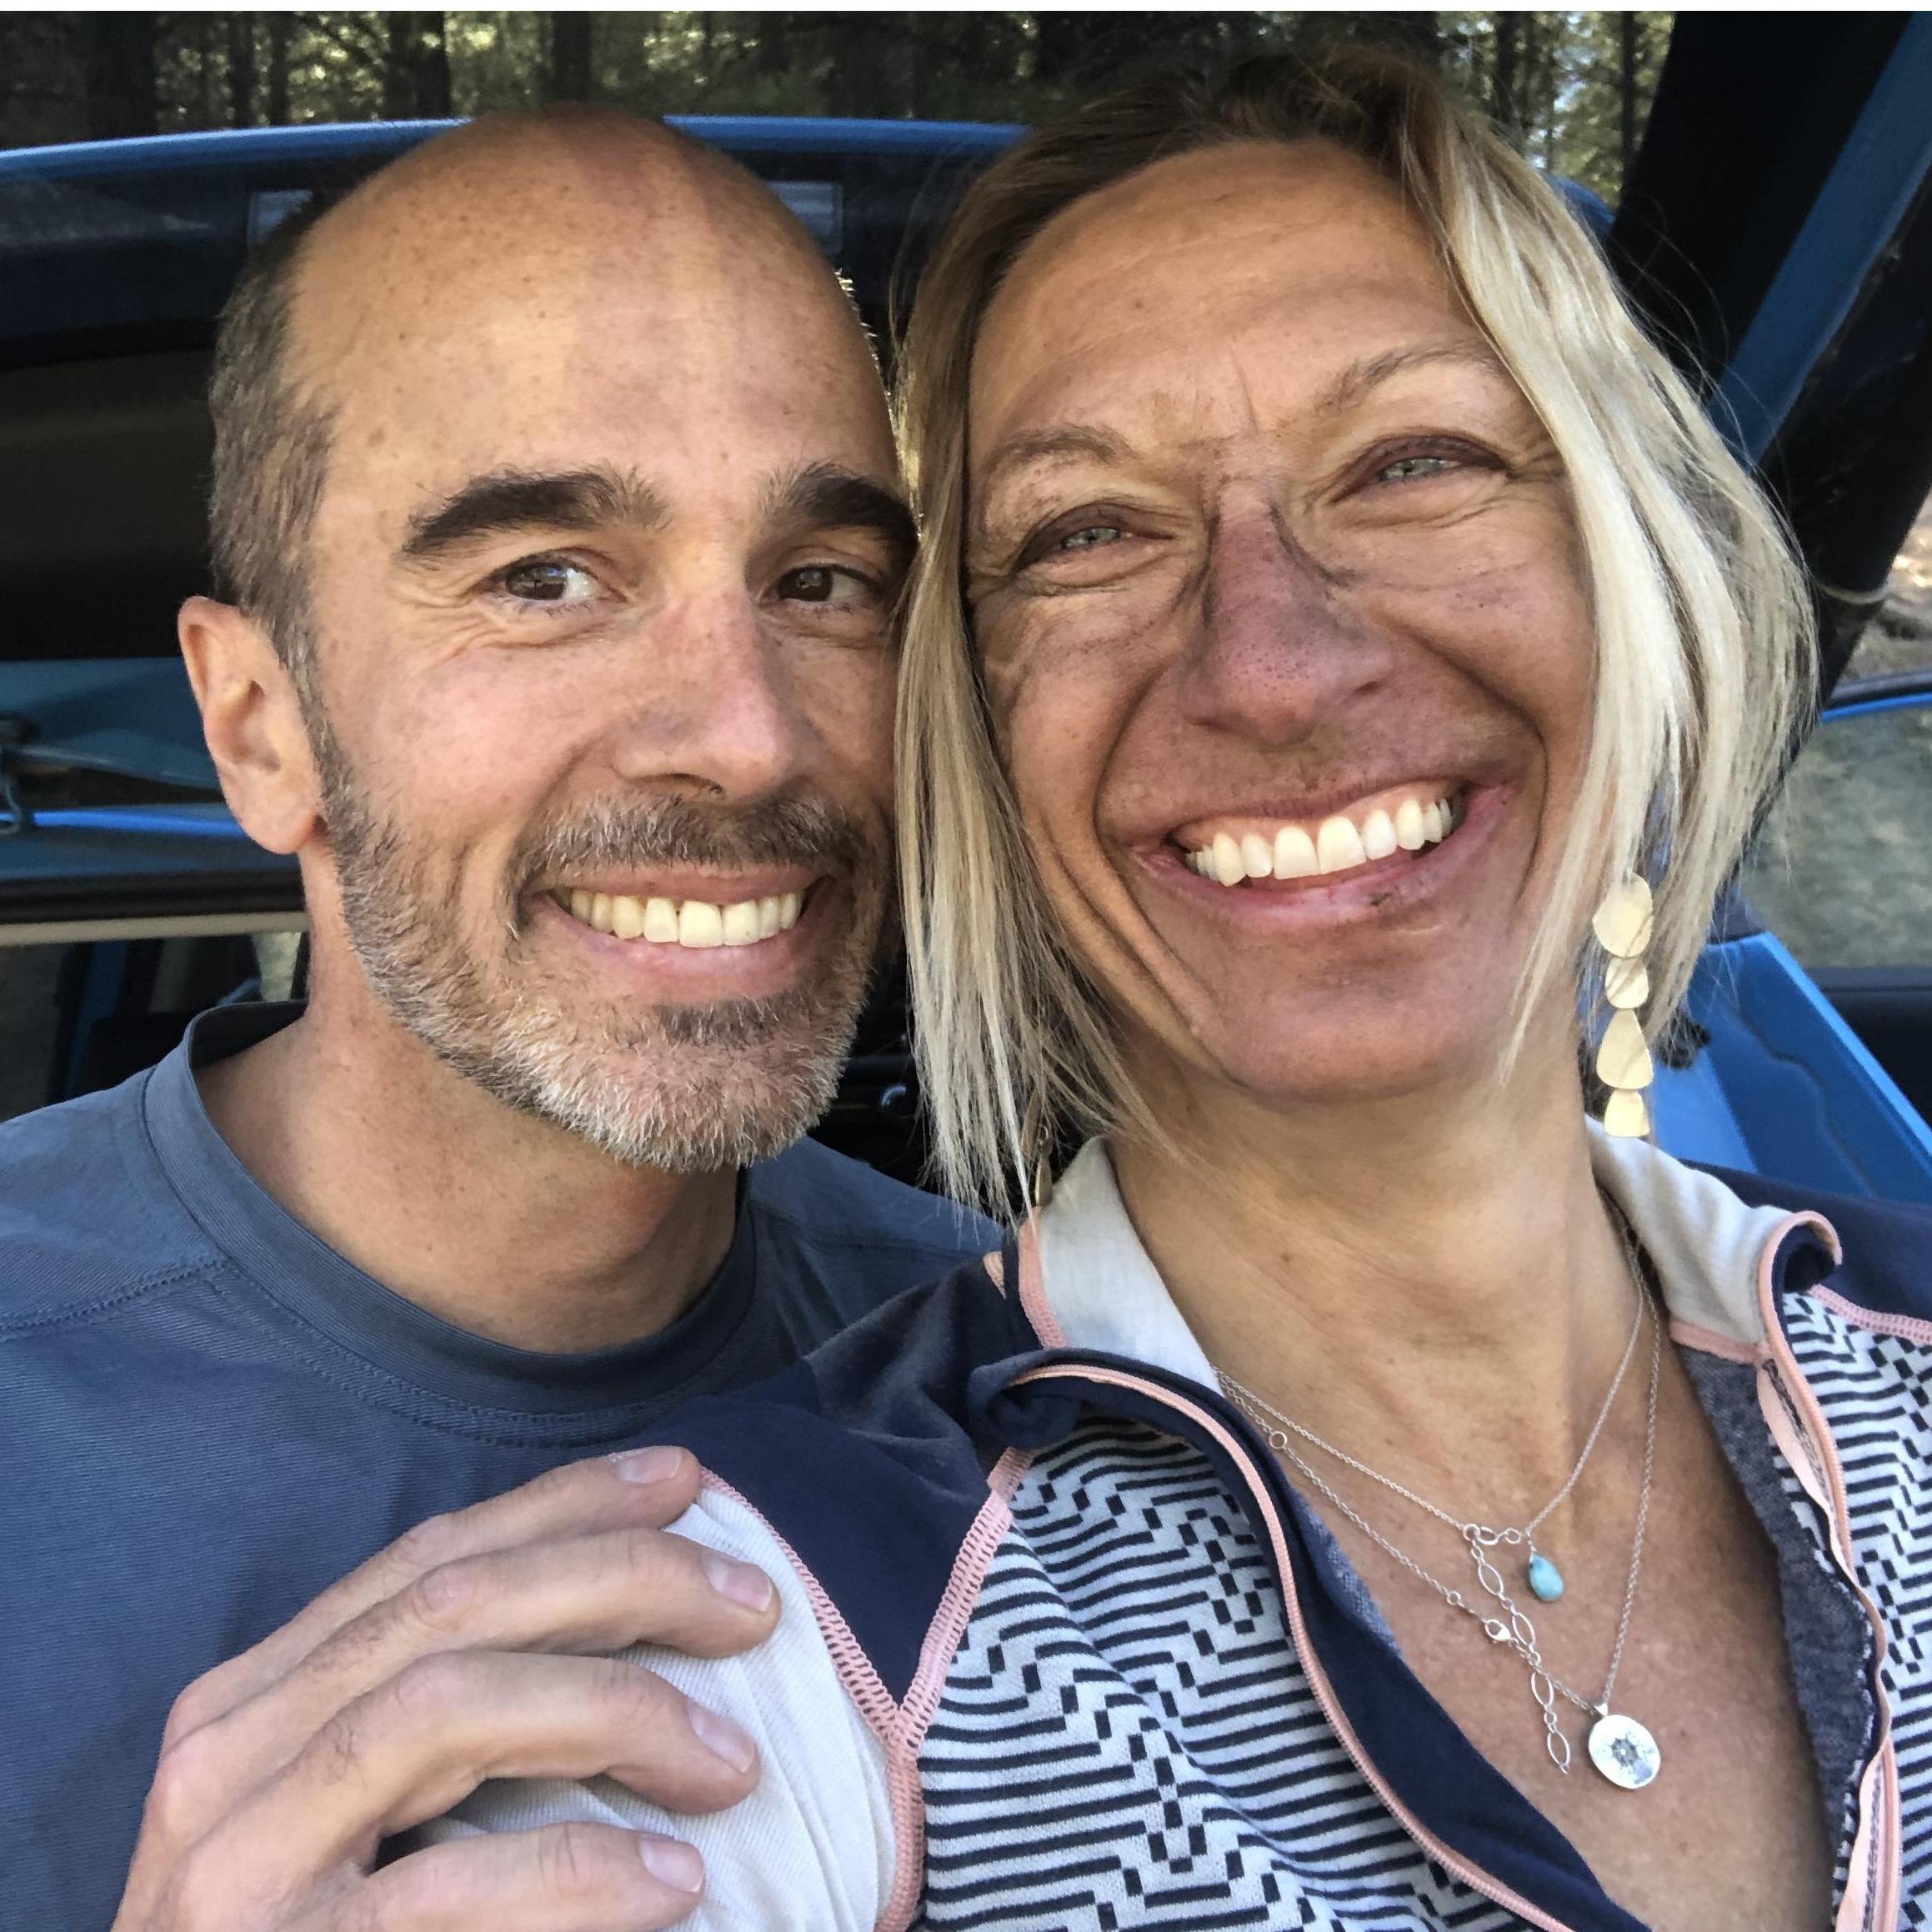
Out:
{"x": 1270, "y": 266}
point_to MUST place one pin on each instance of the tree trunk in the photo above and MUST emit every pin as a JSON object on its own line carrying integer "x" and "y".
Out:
{"x": 1539, "y": 91}
{"x": 278, "y": 115}
{"x": 1505, "y": 104}
{"x": 415, "y": 67}
{"x": 241, "y": 70}
{"x": 118, "y": 51}
{"x": 432, "y": 93}
{"x": 568, "y": 75}
{"x": 1627, "y": 42}
{"x": 204, "y": 71}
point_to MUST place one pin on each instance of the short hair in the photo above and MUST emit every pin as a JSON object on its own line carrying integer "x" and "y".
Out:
{"x": 1702, "y": 627}
{"x": 274, "y": 435}
{"x": 273, "y": 441}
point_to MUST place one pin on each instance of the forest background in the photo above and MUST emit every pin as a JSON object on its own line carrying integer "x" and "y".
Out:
{"x": 1573, "y": 88}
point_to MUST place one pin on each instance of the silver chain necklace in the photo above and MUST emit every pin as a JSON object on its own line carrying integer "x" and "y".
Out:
{"x": 1619, "y": 1747}
{"x": 1545, "y": 1580}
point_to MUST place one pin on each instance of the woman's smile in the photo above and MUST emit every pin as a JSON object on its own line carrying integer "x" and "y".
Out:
{"x": 1404, "y": 817}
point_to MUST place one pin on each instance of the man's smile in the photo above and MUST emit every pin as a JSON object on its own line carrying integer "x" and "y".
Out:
{"x": 693, "y": 922}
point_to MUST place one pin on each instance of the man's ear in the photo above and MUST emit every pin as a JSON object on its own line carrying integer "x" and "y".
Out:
{"x": 252, "y": 719}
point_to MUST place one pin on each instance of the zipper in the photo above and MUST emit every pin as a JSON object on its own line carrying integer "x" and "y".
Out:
{"x": 1477, "y": 1880}
{"x": 1798, "y": 1425}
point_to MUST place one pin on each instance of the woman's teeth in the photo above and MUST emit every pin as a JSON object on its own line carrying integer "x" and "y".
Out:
{"x": 1337, "y": 844}
{"x": 684, "y": 922}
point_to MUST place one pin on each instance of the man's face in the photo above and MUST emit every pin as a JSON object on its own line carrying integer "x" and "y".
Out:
{"x": 601, "y": 587}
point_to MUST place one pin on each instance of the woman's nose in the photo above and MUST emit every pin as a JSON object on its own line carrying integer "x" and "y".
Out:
{"x": 1278, "y": 640}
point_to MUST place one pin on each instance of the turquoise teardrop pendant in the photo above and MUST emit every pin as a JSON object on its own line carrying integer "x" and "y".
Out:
{"x": 1545, "y": 1578}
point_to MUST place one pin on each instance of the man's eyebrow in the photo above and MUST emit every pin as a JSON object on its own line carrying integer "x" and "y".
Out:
{"x": 516, "y": 499}
{"x": 824, "y": 496}
{"x": 1355, "y": 382}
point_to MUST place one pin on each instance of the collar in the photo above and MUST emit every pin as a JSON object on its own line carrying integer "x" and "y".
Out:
{"x": 361, "y": 1328}
{"x": 1709, "y": 1249}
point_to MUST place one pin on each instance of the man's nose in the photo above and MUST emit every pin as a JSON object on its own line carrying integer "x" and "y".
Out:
{"x": 1279, "y": 640}
{"x": 710, "y": 708}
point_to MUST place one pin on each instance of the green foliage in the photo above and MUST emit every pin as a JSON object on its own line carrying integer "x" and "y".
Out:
{"x": 1571, "y": 87}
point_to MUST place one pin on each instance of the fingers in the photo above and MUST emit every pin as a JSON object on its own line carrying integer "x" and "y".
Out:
{"x": 425, "y": 1740}
{"x": 567, "y": 1878}
{"x": 587, "y": 1594}
{"x": 649, "y": 1488}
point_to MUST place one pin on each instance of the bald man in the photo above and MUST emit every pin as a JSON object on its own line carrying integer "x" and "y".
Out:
{"x": 559, "y": 536}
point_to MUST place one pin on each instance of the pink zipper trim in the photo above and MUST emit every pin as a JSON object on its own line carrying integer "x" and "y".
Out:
{"x": 915, "y": 1715}
{"x": 1032, "y": 1288}
{"x": 863, "y": 1683}
{"x": 1709, "y": 1342}
{"x": 901, "y": 1727}
{"x": 1871, "y": 1893}
{"x": 1907, "y": 1328}
{"x": 1475, "y": 1879}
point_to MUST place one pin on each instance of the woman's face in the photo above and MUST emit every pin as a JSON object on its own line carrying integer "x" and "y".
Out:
{"x": 1271, "y": 563}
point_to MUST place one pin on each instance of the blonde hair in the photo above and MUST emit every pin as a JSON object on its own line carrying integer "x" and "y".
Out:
{"x": 1702, "y": 621}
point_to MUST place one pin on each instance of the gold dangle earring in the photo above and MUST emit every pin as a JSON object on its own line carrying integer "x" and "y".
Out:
{"x": 1622, "y": 925}
{"x": 1037, "y": 1135}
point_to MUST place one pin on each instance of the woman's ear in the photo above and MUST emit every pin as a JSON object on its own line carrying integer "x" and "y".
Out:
{"x": 252, "y": 719}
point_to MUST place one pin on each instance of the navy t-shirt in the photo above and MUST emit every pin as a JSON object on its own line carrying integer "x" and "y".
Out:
{"x": 207, "y": 1416}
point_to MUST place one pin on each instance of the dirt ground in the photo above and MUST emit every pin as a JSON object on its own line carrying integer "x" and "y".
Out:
{"x": 1843, "y": 873}
{"x": 1899, "y": 638}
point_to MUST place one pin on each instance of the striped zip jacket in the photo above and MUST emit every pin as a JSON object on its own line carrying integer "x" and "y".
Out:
{"x": 1061, "y": 1648}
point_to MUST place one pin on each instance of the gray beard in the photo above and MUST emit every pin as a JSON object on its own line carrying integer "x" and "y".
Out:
{"x": 681, "y": 1090}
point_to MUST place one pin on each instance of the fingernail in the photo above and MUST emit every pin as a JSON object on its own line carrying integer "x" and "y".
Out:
{"x": 672, "y": 1864}
{"x": 721, "y": 1736}
{"x": 656, "y": 1464}
{"x": 744, "y": 1582}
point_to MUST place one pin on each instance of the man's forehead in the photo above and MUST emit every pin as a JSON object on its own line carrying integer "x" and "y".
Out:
{"x": 582, "y": 318}
{"x": 537, "y": 250}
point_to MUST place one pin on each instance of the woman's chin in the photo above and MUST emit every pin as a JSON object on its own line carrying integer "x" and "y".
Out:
{"x": 1433, "y": 1059}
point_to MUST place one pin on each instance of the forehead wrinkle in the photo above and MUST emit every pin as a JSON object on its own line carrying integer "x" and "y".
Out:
{"x": 1350, "y": 386}
{"x": 1058, "y": 442}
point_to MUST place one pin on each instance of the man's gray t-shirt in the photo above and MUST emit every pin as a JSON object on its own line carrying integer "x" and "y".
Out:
{"x": 207, "y": 1416}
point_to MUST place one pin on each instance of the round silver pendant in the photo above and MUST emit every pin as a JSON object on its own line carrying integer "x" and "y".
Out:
{"x": 1623, "y": 1751}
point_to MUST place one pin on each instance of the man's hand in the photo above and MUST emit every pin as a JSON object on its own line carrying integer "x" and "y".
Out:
{"x": 475, "y": 1647}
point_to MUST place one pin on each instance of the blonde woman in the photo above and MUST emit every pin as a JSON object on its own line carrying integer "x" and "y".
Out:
{"x": 1364, "y": 1493}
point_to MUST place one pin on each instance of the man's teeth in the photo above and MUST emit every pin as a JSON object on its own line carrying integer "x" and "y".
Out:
{"x": 1337, "y": 844}
{"x": 696, "y": 922}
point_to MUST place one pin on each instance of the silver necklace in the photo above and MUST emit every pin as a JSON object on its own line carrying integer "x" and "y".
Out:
{"x": 1619, "y": 1747}
{"x": 1545, "y": 1580}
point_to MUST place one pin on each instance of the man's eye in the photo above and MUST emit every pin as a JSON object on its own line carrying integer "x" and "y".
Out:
{"x": 1413, "y": 469}
{"x": 824, "y": 583}
{"x": 548, "y": 580}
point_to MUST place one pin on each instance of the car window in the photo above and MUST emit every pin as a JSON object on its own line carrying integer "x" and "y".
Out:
{"x": 1842, "y": 872}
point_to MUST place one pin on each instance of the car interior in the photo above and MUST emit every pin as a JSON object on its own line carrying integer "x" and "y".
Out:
{"x": 1784, "y": 258}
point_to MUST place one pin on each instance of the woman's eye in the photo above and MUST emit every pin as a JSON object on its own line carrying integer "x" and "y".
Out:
{"x": 824, "y": 583}
{"x": 1413, "y": 469}
{"x": 1088, "y": 537}
{"x": 548, "y": 580}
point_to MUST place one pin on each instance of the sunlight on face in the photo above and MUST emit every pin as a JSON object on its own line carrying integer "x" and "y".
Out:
{"x": 602, "y": 590}
{"x": 1273, "y": 576}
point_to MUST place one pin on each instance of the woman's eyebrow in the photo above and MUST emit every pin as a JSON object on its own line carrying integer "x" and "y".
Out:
{"x": 1348, "y": 389}
{"x": 1061, "y": 440}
